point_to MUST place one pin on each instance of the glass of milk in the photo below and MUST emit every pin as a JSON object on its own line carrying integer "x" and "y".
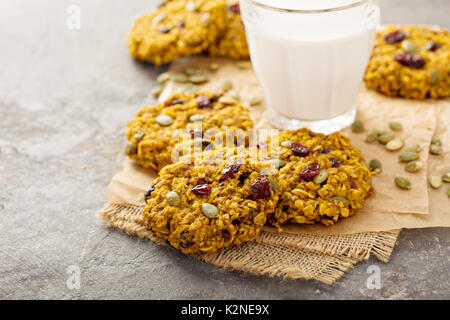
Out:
{"x": 310, "y": 57}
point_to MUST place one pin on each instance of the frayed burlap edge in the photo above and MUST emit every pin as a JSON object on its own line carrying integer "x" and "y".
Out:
{"x": 291, "y": 256}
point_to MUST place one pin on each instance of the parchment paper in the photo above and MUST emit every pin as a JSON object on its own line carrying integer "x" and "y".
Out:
{"x": 389, "y": 207}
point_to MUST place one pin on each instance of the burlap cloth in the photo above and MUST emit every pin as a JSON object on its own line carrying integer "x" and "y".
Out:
{"x": 317, "y": 252}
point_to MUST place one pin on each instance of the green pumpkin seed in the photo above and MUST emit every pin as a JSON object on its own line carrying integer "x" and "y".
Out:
{"x": 156, "y": 91}
{"x": 198, "y": 78}
{"x": 446, "y": 177}
{"x": 408, "y": 46}
{"x": 173, "y": 198}
{"x": 436, "y": 140}
{"x": 273, "y": 184}
{"x": 227, "y": 85}
{"x": 139, "y": 135}
{"x": 385, "y": 138}
{"x": 436, "y": 149}
{"x": 190, "y": 71}
{"x": 277, "y": 163}
{"x": 346, "y": 203}
{"x": 435, "y": 180}
{"x": 407, "y": 156}
{"x": 256, "y": 101}
{"x": 395, "y": 144}
{"x": 130, "y": 149}
{"x": 434, "y": 76}
{"x": 164, "y": 77}
{"x": 380, "y": 131}
{"x": 189, "y": 88}
{"x": 210, "y": 210}
{"x": 286, "y": 144}
{"x": 357, "y": 126}
{"x": 321, "y": 177}
{"x": 234, "y": 94}
{"x": 214, "y": 67}
{"x": 376, "y": 165}
{"x": 164, "y": 120}
{"x": 413, "y": 148}
{"x": 402, "y": 183}
{"x": 414, "y": 166}
{"x": 196, "y": 117}
{"x": 396, "y": 126}
{"x": 371, "y": 137}
{"x": 244, "y": 64}
{"x": 180, "y": 78}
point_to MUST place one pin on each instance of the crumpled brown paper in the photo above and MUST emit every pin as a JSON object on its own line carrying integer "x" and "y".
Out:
{"x": 389, "y": 207}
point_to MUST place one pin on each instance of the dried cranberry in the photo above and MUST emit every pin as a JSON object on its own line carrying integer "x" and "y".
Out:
{"x": 181, "y": 24}
{"x": 176, "y": 101}
{"x": 353, "y": 186}
{"x": 410, "y": 60}
{"x": 310, "y": 171}
{"x": 335, "y": 162}
{"x": 202, "y": 181}
{"x": 325, "y": 151}
{"x": 234, "y": 8}
{"x": 260, "y": 187}
{"x": 196, "y": 133}
{"x": 148, "y": 193}
{"x": 395, "y": 36}
{"x": 230, "y": 169}
{"x": 163, "y": 29}
{"x": 202, "y": 189}
{"x": 205, "y": 143}
{"x": 324, "y": 216}
{"x": 433, "y": 45}
{"x": 299, "y": 149}
{"x": 203, "y": 102}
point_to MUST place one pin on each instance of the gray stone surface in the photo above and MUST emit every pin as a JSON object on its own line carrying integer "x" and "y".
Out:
{"x": 65, "y": 96}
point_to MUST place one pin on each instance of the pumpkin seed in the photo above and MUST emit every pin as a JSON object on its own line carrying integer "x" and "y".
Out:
{"x": 385, "y": 138}
{"x": 164, "y": 120}
{"x": 227, "y": 85}
{"x": 214, "y": 67}
{"x": 227, "y": 100}
{"x": 434, "y": 75}
{"x": 371, "y": 137}
{"x": 210, "y": 210}
{"x": 180, "y": 78}
{"x": 407, "y": 156}
{"x": 173, "y": 198}
{"x": 164, "y": 77}
{"x": 436, "y": 140}
{"x": 395, "y": 144}
{"x": 189, "y": 71}
{"x": 130, "y": 149}
{"x": 273, "y": 184}
{"x": 160, "y": 17}
{"x": 414, "y": 166}
{"x": 402, "y": 183}
{"x": 357, "y": 126}
{"x": 198, "y": 78}
{"x": 321, "y": 177}
{"x": 234, "y": 94}
{"x": 376, "y": 165}
{"x": 190, "y": 6}
{"x": 286, "y": 144}
{"x": 408, "y": 46}
{"x": 446, "y": 177}
{"x": 189, "y": 88}
{"x": 277, "y": 163}
{"x": 196, "y": 117}
{"x": 413, "y": 148}
{"x": 364, "y": 164}
{"x": 344, "y": 200}
{"x": 244, "y": 64}
{"x": 256, "y": 101}
{"x": 204, "y": 19}
{"x": 436, "y": 149}
{"x": 156, "y": 91}
{"x": 435, "y": 180}
{"x": 139, "y": 135}
{"x": 396, "y": 126}
{"x": 380, "y": 131}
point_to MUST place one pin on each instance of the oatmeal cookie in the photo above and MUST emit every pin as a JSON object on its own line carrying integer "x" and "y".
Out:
{"x": 411, "y": 62}
{"x": 182, "y": 118}
{"x": 207, "y": 205}
{"x": 232, "y": 43}
{"x": 323, "y": 178}
{"x": 177, "y": 28}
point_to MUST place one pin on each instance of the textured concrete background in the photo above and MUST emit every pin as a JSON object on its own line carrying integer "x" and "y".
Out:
{"x": 65, "y": 96}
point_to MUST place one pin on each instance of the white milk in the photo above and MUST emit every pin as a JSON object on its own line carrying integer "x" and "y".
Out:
{"x": 310, "y": 65}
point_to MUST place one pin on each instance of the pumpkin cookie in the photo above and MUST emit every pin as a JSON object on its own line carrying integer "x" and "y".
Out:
{"x": 232, "y": 43}
{"x": 178, "y": 122}
{"x": 323, "y": 178}
{"x": 212, "y": 203}
{"x": 411, "y": 62}
{"x": 176, "y": 29}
